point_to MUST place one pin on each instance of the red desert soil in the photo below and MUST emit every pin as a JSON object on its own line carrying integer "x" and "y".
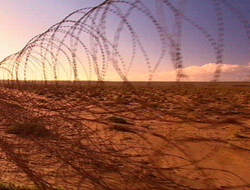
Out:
{"x": 162, "y": 136}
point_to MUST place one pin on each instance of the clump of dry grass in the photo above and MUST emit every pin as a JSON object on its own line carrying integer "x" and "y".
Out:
{"x": 9, "y": 186}
{"x": 29, "y": 129}
{"x": 119, "y": 120}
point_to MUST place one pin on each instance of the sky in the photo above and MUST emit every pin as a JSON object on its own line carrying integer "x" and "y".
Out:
{"x": 20, "y": 20}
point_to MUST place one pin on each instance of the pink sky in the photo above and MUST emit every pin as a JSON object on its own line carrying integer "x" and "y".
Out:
{"x": 20, "y": 20}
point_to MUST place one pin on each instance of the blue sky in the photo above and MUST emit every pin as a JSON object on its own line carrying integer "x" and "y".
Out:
{"x": 20, "y": 20}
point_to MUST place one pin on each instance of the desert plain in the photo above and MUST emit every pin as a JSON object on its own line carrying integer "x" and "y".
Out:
{"x": 111, "y": 135}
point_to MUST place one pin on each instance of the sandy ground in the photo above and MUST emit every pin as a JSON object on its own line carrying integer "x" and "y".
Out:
{"x": 163, "y": 136}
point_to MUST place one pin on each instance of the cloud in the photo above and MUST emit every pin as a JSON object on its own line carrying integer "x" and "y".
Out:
{"x": 206, "y": 72}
